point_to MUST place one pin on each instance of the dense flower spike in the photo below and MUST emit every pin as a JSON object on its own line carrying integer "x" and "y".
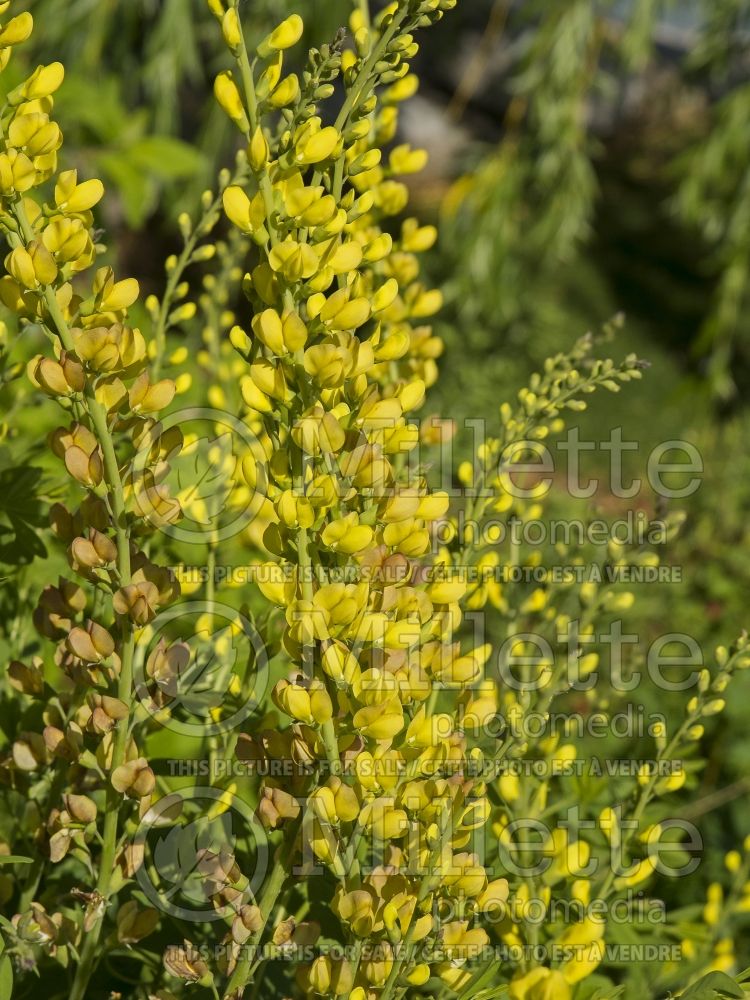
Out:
{"x": 378, "y": 787}
{"x": 98, "y": 373}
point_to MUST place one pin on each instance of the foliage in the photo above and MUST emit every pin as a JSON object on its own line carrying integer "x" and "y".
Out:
{"x": 528, "y": 210}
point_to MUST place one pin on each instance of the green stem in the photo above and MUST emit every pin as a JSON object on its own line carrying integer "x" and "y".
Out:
{"x": 175, "y": 275}
{"x": 248, "y": 85}
{"x": 271, "y": 890}
{"x": 211, "y": 582}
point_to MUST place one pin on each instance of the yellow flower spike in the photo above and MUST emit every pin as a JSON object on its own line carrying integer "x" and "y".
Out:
{"x": 446, "y": 591}
{"x": 182, "y": 383}
{"x": 378, "y": 250}
{"x": 347, "y": 257}
{"x": 494, "y": 897}
{"x": 43, "y": 262}
{"x": 318, "y": 210}
{"x": 462, "y": 943}
{"x": 465, "y": 877}
{"x": 403, "y": 506}
{"x": 433, "y": 507}
{"x": 272, "y": 582}
{"x": 402, "y": 90}
{"x": 299, "y": 198}
{"x": 416, "y": 238}
{"x": 35, "y": 134}
{"x": 583, "y": 965}
{"x": 411, "y": 396}
{"x": 325, "y": 847}
{"x": 294, "y": 332}
{"x": 270, "y": 77}
{"x": 391, "y": 922}
{"x": 537, "y": 601}
{"x": 270, "y": 379}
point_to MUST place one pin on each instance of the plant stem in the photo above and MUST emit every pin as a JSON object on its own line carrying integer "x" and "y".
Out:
{"x": 271, "y": 891}
{"x": 175, "y": 275}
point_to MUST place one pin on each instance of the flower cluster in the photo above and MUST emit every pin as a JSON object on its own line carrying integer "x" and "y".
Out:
{"x": 97, "y": 370}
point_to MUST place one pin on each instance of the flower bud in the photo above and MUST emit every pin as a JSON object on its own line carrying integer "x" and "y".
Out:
{"x": 134, "y": 778}
{"x": 230, "y": 28}
{"x": 288, "y": 33}
{"x": 228, "y": 96}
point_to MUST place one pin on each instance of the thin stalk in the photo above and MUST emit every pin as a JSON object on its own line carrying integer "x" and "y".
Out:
{"x": 175, "y": 275}
{"x": 267, "y": 902}
{"x": 248, "y": 85}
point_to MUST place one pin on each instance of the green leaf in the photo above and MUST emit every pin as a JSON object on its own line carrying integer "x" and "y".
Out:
{"x": 14, "y": 859}
{"x": 6, "y": 978}
{"x": 106, "y": 117}
{"x": 598, "y": 987}
{"x": 21, "y": 516}
{"x": 715, "y": 984}
{"x": 475, "y": 988}
{"x": 136, "y": 189}
{"x": 165, "y": 157}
